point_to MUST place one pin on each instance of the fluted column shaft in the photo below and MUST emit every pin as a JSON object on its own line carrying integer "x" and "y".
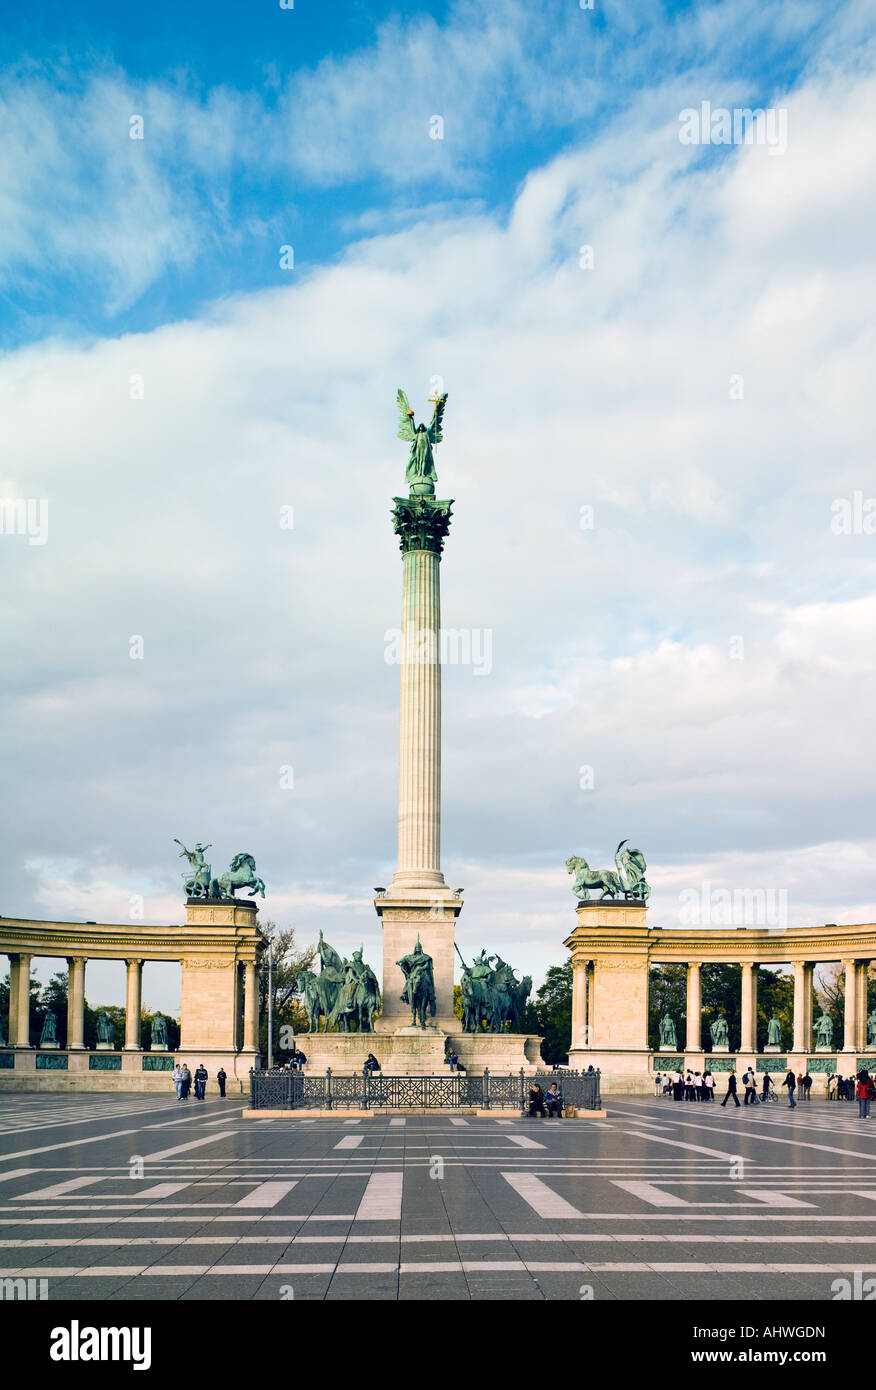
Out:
{"x": 22, "y": 1003}
{"x": 801, "y": 1007}
{"x": 132, "y": 1005}
{"x": 419, "y": 761}
{"x": 76, "y": 1002}
{"x": 850, "y": 1005}
{"x": 863, "y": 970}
{"x": 748, "y": 1040}
{"x": 579, "y": 1003}
{"x": 694, "y": 1041}
{"x": 250, "y": 1009}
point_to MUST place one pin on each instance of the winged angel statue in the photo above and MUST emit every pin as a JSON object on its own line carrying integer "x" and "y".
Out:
{"x": 421, "y": 466}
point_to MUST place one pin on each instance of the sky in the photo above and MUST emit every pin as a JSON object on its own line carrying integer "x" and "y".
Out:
{"x": 659, "y": 439}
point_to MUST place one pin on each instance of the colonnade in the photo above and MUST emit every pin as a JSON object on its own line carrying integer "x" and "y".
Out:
{"x": 246, "y": 985}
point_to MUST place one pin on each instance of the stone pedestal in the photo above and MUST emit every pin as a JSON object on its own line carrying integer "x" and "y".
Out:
{"x": 47, "y": 1045}
{"x": 772, "y": 1049}
{"x": 104, "y": 1047}
{"x": 419, "y": 1051}
{"x": 211, "y": 979}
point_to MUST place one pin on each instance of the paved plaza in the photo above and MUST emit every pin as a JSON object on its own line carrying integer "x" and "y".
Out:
{"x": 137, "y": 1198}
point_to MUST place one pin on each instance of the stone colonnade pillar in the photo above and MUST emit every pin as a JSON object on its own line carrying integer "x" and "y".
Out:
{"x": 22, "y": 1002}
{"x": 748, "y": 1039}
{"x": 863, "y": 970}
{"x": 133, "y": 995}
{"x": 850, "y": 1005}
{"x": 76, "y": 1002}
{"x": 580, "y": 971}
{"x": 250, "y": 1009}
{"x": 694, "y": 1040}
{"x": 801, "y": 1006}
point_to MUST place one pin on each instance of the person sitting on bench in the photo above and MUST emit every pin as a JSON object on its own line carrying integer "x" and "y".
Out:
{"x": 554, "y": 1101}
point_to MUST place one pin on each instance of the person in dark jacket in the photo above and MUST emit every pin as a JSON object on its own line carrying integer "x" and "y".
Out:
{"x": 221, "y": 1079}
{"x": 731, "y": 1091}
{"x": 186, "y": 1079}
{"x": 536, "y": 1100}
{"x": 371, "y": 1064}
{"x": 791, "y": 1082}
{"x": 200, "y": 1081}
{"x": 554, "y": 1101}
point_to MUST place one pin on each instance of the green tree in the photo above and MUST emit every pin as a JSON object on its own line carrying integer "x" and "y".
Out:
{"x": 290, "y": 960}
{"x": 552, "y": 1013}
{"x": 667, "y": 994}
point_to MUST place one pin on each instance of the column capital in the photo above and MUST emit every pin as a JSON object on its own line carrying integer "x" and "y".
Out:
{"x": 133, "y": 960}
{"x": 76, "y": 960}
{"x": 421, "y": 523}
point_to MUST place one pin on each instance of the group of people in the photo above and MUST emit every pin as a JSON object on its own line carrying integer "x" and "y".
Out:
{"x": 693, "y": 1085}
{"x": 182, "y": 1080}
{"x": 545, "y": 1103}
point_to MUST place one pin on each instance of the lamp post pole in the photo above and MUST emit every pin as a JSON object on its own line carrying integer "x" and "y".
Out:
{"x": 270, "y": 1009}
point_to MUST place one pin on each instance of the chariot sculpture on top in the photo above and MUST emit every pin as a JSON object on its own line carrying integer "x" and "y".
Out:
{"x": 625, "y": 882}
{"x": 199, "y": 881}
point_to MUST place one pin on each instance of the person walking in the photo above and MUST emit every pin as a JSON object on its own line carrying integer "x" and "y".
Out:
{"x": 178, "y": 1081}
{"x": 221, "y": 1078}
{"x": 186, "y": 1080}
{"x": 731, "y": 1091}
{"x": 748, "y": 1083}
{"x": 866, "y": 1093}
{"x": 791, "y": 1082}
{"x": 200, "y": 1081}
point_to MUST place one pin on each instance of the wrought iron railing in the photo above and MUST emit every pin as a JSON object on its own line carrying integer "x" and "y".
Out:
{"x": 279, "y": 1089}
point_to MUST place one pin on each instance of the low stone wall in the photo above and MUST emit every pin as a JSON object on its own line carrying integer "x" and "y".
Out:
{"x": 419, "y": 1051}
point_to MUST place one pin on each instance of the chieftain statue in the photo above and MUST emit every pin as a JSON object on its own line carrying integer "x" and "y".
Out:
{"x": 419, "y": 990}
{"x": 774, "y": 1032}
{"x": 345, "y": 992}
{"x": 824, "y": 1030}
{"x": 668, "y": 1036}
{"x": 420, "y": 472}
{"x": 493, "y": 999}
{"x": 106, "y": 1033}
{"x": 158, "y": 1035}
{"x": 50, "y": 1029}
{"x": 626, "y": 881}
{"x": 871, "y": 1029}
{"x": 720, "y": 1032}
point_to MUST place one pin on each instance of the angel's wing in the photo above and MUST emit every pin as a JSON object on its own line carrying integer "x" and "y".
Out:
{"x": 405, "y": 418}
{"x": 435, "y": 434}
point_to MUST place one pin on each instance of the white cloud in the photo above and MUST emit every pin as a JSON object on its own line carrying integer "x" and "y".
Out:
{"x": 611, "y": 646}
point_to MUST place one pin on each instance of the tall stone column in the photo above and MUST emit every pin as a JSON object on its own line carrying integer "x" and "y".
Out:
{"x": 133, "y": 997}
{"x": 801, "y": 1006}
{"x": 694, "y": 1041}
{"x": 418, "y": 903}
{"x": 22, "y": 1002}
{"x": 849, "y": 1005}
{"x": 13, "y": 1000}
{"x": 748, "y": 1039}
{"x": 580, "y": 971}
{"x": 250, "y": 1009}
{"x": 76, "y": 1002}
{"x": 863, "y": 967}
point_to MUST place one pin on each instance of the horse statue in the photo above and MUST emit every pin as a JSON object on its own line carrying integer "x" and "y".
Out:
{"x": 511, "y": 995}
{"x": 319, "y": 998}
{"x": 358, "y": 998}
{"x": 242, "y": 874}
{"x": 585, "y": 878}
{"x": 419, "y": 990}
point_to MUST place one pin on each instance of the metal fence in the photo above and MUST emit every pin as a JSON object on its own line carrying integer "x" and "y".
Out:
{"x": 279, "y": 1089}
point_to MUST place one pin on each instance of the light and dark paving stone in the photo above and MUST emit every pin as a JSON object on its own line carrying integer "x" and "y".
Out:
{"x": 665, "y": 1202}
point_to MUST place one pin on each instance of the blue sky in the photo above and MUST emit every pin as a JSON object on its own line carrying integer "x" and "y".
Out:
{"x": 168, "y": 388}
{"x": 536, "y": 80}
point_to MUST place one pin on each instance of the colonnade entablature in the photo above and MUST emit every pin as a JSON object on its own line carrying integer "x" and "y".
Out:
{"x": 613, "y": 949}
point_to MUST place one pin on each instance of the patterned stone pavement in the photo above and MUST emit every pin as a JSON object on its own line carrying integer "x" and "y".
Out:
{"x": 141, "y": 1198}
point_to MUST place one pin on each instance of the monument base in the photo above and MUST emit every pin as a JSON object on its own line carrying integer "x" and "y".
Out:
{"x": 665, "y": 1047}
{"x": 419, "y": 1051}
{"x": 45, "y": 1045}
{"x": 104, "y": 1047}
{"x": 772, "y": 1049}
